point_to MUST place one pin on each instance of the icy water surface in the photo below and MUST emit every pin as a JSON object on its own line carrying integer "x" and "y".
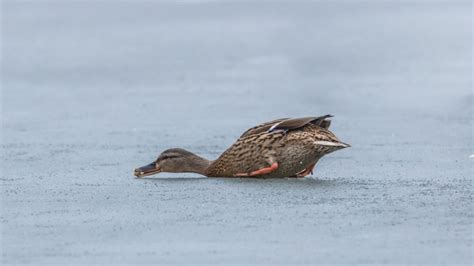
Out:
{"x": 92, "y": 89}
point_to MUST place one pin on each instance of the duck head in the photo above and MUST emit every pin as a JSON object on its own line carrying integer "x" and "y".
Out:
{"x": 174, "y": 161}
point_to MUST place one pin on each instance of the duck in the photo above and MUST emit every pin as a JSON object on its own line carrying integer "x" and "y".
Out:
{"x": 285, "y": 147}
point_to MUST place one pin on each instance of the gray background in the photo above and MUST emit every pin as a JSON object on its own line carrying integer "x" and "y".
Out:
{"x": 92, "y": 89}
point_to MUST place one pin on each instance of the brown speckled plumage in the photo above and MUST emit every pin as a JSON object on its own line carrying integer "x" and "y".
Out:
{"x": 285, "y": 147}
{"x": 292, "y": 146}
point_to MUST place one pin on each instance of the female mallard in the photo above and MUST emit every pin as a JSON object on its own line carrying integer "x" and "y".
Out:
{"x": 279, "y": 148}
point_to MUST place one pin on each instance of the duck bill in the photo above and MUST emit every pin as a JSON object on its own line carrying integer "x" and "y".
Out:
{"x": 147, "y": 170}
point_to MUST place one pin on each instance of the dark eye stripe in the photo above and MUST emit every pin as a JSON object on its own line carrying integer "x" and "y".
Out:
{"x": 168, "y": 157}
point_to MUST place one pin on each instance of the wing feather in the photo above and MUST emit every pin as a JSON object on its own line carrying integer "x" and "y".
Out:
{"x": 262, "y": 127}
{"x": 288, "y": 124}
{"x": 292, "y": 124}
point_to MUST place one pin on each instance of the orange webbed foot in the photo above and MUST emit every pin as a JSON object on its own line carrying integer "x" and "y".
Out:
{"x": 305, "y": 172}
{"x": 262, "y": 171}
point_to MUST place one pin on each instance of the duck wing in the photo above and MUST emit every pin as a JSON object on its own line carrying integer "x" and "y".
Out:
{"x": 262, "y": 127}
{"x": 288, "y": 124}
{"x": 296, "y": 123}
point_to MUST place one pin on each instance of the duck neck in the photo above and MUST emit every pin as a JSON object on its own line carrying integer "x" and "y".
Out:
{"x": 197, "y": 164}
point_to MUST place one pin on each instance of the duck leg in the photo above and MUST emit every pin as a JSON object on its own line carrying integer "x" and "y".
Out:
{"x": 305, "y": 172}
{"x": 262, "y": 171}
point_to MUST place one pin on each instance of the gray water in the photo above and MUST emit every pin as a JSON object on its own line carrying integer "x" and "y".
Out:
{"x": 92, "y": 89}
